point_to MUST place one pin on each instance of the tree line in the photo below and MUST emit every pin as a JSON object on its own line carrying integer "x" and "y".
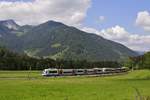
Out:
{"x": 12, "y": 61}
{"x": 139, "y": 62}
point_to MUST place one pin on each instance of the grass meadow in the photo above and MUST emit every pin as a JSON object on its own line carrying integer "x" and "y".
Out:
{"x": 24, "y": 85}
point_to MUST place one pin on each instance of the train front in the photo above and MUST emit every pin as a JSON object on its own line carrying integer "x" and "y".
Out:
{"x": 50, "y": 72}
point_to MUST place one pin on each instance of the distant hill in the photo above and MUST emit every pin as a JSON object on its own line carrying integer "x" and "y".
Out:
{"x": 140, "y": 52}
{"x": 57, "y": 40}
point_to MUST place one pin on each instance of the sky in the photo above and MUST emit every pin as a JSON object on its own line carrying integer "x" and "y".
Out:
{"x": 123, "y": 21}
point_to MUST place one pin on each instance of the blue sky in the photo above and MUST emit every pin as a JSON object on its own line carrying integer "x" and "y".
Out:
{"x": 123, "y": 21}
{"x": 116, "y": 12}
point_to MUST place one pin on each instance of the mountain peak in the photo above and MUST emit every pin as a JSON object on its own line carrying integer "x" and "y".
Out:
{"x": 53, "y": 23}
{"x": 10, "y": 24}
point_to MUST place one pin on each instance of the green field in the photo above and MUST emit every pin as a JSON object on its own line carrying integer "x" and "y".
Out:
{"x": 32, "y": 86}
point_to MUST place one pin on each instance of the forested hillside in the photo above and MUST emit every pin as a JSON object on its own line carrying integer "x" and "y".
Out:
{"x": 13, "y": 61}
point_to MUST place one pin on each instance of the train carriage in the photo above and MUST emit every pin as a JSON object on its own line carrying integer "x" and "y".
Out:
{"x": 80, "y": 71}
{"x": 98, "y": 70}
{"x": 89, "y": 71}
{"x": 67, "y": 72}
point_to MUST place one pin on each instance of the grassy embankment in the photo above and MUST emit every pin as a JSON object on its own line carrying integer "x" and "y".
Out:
{"x": 17, "y": 86}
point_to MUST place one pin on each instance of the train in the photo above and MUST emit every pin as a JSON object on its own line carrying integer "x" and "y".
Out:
{"x": 74, "y": 72}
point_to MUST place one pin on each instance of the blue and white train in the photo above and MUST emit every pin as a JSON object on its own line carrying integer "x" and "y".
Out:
{"x": 73, "y": 72}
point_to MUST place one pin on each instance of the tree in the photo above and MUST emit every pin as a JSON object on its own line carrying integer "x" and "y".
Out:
{"x": 129, "y": 63}
{"x": 146, "y": 63}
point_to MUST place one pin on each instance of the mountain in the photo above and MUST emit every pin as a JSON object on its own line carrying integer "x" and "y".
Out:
{"x": 10, "y": 24}
{"x": 140, "y": 52}
{"x": 57, "y": 40}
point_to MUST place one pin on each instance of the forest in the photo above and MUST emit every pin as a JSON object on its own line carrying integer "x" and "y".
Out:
{"x": 12, "y": 61}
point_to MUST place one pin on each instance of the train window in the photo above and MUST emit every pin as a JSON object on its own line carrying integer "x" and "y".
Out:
{"x": 52, "y": 71}
{"x": 67, "y": 72}
{"x": 80, "y": 71}
{"x": 90, "y": 71}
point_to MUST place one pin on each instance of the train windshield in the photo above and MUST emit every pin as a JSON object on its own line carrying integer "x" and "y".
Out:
{"x": 52, "y": 71}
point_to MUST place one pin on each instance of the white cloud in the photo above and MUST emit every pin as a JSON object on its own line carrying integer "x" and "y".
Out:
{"x": 101, "y": 18}
{"x": 143, "y": 20}
{"x": 90, "y": 30}
{"x": 71, "y": 12}
{"x": 119, "y": 34}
